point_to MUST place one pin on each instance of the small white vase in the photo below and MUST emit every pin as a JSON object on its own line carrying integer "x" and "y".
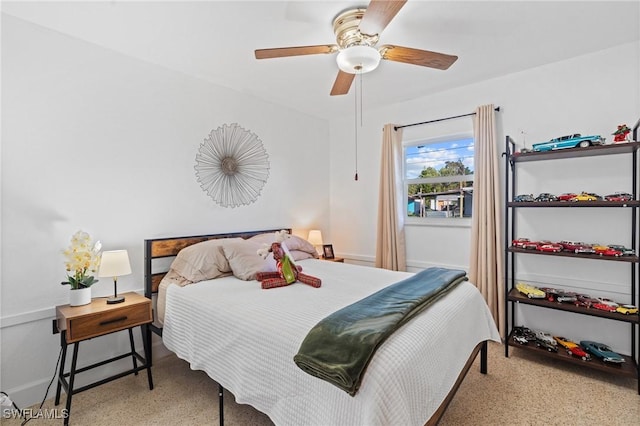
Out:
{"x": 80, "y": 296}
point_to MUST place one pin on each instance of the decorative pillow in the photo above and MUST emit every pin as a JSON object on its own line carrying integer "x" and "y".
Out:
{"x": 301, "y": 255}
{"x": 244, "y": 259}
{"x": 202, "y": 261}
{"x": 293, "y": 243}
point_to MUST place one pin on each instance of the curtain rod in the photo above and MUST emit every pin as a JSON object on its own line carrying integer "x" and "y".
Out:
{"x": 439, "y": 119}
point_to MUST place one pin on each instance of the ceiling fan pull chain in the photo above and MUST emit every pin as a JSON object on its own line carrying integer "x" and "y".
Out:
{"x": 355, "y": 122}
{"x": 361, "y": 90}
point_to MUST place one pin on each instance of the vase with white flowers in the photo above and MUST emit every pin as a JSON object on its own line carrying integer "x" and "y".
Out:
{"x": 82, "y": 258}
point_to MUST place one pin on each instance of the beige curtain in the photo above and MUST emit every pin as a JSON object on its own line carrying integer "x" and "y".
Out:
{"x": 390, "y": 244}
{"x": 486, "y": 263}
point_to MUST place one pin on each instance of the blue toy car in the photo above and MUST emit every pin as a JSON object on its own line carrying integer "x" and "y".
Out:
{"x": 523, "y": 198}
{"x": 569, "y": 141}
{"x": 602, "y": 351}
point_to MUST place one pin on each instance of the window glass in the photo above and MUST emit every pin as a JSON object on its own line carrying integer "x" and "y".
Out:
{"x": 439, "y": 177}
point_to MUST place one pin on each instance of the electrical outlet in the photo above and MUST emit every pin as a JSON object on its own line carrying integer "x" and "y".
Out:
{"x": 55, "y": 326}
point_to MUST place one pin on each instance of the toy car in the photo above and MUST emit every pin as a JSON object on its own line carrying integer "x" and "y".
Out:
{"x": 524, "y": 243}
{"x": 567, "y": 297}
{"x": 622, "y": 249}
{"x": 604, "y": 307}
{"x": 523, "y": 198}
{"x": 569, "y": 141}
{"x": 545, "y": 340}
{"x": 566, "y": 196}
{"x": 560, "y": 296}
{"x": 545, "y": 196}
{"x": 523, "y": 335}
{"x": 586, "y": 196}
{"x": 619, "y": 196}
{"x": 550, "y": 247}
{"x": 627, "y": 309}
{"x": 606, "y": 251}
{"x": 532, "y": 292}
{"x": 585, "y": 300}
{"x": 601, "y": 351}
{"x": 577, "y": 247}
{"x": 551, "y": 293}
{"x": 607, "y": 301}
{"x": 572, "y": 348}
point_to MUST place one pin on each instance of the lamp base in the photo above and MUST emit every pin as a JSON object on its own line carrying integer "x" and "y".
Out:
{"x": 115, "y": 299}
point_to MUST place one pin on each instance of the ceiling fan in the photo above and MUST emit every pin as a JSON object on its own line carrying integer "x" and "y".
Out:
{"x": 357, "y": 33}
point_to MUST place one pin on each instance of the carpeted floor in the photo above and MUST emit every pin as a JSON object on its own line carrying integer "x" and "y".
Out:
{"x": 520, "y": 390}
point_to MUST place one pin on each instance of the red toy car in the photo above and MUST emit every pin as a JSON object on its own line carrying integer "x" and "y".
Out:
{"x": 572, "y": 348}
{"x": 619, "y": 196}
{"x": 525, "y": 243}
{"x": 549, "y": 247}
{"x": 567, "y": 196}
{"x": 607, "y": 251}
{"x": 577, "y": 247}
{"x": 604, "y": 307}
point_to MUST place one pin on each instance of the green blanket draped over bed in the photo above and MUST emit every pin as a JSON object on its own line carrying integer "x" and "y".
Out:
{"x": 339, "y": 348}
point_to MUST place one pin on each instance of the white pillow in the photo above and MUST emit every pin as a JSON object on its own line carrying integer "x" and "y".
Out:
{"x": 202, "y": 261}
{"x": 244, "y": 259}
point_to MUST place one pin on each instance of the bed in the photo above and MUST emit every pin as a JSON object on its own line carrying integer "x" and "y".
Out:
{"x": 245, "y": 338}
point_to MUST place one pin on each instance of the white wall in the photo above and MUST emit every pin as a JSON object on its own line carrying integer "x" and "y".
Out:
{"x": 98, "y": 141}
{"x": 591, "y": 94}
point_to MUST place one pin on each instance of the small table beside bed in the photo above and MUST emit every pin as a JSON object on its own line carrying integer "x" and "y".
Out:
{"x": 212, "y": 313}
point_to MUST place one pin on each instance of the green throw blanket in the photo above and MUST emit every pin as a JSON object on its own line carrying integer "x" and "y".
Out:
{"x": 339, "y": 348}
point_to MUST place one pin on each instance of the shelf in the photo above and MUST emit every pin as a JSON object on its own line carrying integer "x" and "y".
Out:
{"x": 634, "y": 204}
{"x": 629, "y": 259}
{"x": 627, "y": 368}
{"x": 598, "y": 150}
{"x": 515, "y": 296}
{"x": 515, "y": 301}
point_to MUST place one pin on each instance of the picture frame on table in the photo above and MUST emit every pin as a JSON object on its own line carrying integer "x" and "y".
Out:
{"x": 327, "y": 250}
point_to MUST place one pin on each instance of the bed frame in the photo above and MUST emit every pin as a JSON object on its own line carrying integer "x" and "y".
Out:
{"x": 164, "y": 248}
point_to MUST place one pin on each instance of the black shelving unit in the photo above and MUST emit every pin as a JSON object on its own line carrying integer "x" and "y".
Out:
{"x": 513, "y": 297}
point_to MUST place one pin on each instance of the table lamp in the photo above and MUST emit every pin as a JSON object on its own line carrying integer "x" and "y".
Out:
{"x": 315, "y": 238}
{"x": 114, "y": 263}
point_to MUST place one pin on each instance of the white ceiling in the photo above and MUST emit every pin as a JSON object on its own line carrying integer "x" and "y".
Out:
{"x": 215, "y": 41}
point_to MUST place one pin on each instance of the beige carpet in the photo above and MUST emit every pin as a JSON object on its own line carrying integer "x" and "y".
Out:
{"x": 520, "y": 390}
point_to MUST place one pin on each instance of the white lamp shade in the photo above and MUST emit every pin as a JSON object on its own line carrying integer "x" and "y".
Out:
{"x": 315, "y": 237}
{"x": 114, "y": 263}
{"x": 358, "y": 59}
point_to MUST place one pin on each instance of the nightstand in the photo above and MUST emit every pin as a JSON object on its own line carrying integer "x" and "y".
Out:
{"x": 79, "y": 323}
{"x": 335, "y": 259}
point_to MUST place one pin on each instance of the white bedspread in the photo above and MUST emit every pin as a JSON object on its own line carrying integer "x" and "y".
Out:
{"x": 245, "y": 338}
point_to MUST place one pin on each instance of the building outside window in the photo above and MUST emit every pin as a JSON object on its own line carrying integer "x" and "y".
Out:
{"x": 439, "y": 177}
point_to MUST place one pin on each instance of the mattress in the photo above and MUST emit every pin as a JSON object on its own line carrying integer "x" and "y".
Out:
{"x": 245, "y": 338}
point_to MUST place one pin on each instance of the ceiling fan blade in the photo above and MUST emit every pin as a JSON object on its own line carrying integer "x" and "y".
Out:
{"x": 378, "y": 15}
{"x": 281, "y": 52}
{"x": 425, "y": 58}
{"x": 342, "y": 84}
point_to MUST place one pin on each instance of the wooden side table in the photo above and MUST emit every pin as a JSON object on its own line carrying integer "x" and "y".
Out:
{"x": 335, "y": 259}
{"x": 78, "y": 323}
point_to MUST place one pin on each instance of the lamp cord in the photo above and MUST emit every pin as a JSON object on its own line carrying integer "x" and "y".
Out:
{"x": 47, "y": 391}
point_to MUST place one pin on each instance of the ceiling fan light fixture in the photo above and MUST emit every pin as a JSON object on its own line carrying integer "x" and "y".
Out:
{"x": 358, "y": 59}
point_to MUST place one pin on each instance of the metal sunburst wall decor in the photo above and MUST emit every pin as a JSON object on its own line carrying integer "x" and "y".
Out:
{"x": 232, "y": 166}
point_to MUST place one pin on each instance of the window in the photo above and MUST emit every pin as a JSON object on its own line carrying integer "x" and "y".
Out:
{"x": 439, "y": 177}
